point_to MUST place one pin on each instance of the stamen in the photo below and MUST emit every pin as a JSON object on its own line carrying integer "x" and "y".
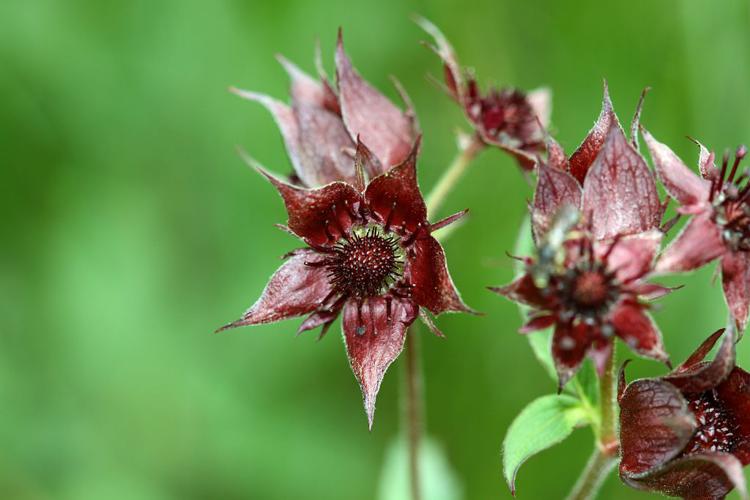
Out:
{"x": 724, "y": 165}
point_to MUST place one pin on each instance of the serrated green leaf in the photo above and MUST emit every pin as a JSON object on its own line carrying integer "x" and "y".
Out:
{"x": 545, "y": 422}
{"x": 438, "y": 481}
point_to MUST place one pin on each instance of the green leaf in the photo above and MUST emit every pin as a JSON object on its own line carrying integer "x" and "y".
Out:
{"x": 545, "y": 422}
{"x": 588, "y": 383}
{"x": 437, "y": 479}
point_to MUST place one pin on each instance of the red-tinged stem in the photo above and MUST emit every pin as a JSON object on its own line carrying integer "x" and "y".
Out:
{"x": 604, "y": 456}
{"x": 414, "y": 410}
{"x": 453, "y": 174}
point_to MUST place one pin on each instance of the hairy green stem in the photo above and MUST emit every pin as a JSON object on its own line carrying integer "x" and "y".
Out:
{"x": 413, "y": 381}
{"x": 604, "y": 456}
{"x": 451, "y": 176}
{"x": 608, "y": 404}
{"x": 596, "y": 471}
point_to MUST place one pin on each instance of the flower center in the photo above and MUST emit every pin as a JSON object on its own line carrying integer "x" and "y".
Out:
{"x": 365, "y": 265}
{"x": 587, "y": 291}
{"x": 504, "y": 112}
{"x": 590, "y": 289}
{"x": 716, "y": 427}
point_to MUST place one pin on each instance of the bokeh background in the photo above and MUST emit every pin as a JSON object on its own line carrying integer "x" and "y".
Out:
{"x": 131, "y": 230}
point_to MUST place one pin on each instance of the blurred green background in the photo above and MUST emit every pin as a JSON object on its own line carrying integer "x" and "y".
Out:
{"x": 131, "y": 230}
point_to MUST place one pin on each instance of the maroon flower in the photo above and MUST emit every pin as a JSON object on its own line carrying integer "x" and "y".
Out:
{"x": 370, "y": 254}
{"x": 588, "y": 280}
{"x": 720, "y": 227}
{"x": 688, "y": 434}
{"x": 590, "y": 292}
{"x": 320, "y": 128}
{"x": 507, "y": 118}
{"x": 606, "y": 178}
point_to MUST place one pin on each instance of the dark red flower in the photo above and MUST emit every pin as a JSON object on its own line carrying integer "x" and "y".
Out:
{"x": 507, "y": 118}
{"x": 588, "y": 279}
{"x": 606, "y": 178}
{"x": 320, "y": 128}
{"x": 720, "y": 227}
{"x": 370, "y": 253}
{"x": 591, "y": 291}
{"x": 688, "y": 434}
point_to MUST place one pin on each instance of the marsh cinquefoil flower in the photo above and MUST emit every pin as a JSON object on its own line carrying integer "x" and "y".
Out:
{"x": 507, "y": 118}
{"x": 719, "y": 203}
{"x": 687, "y": 434}
{"x": 370, "y": 255}
{"x": 588, "y": 280}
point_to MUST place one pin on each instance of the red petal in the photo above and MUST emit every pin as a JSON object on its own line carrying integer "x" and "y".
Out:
{"x": 524, "y": 291}
{"x": 433, "y": 287}
{"x": 537, "y": 323}
{"x": 699, "y": 243}
{"x": 584, "y": 156}
{"x": 734, "y": 394}
{"x": 394, "y": 196}
{"x": 323, "y": 146}
{"x": 370, "y": 115}
{"x": 735, "y": 278}
{"x": 655, "y": 425}
{"x": 322, "y": 318}
{"x": 319, "y": 216}
{"x": 638, "y": 330}
{"x": 556, "y": 155}
{"x": 285, "y": 120}
{"x": 695, "y": 477}
{"x": 374, "y": 335}
{"x": 569, "y": 346}
{"x": 294, "y": 289}
{"x": 706, "y": 376}
{"x": 367, "y": 162}
{"x": 555, "y": 188}
{"x": 681, "y": 184}
{"x": 619, "y": 193}
{"x": 632, "y": 257}
{"x": 304, "y": 89}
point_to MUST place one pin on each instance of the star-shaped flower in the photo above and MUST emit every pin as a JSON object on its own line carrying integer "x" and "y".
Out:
{"x": 370, "y": 255}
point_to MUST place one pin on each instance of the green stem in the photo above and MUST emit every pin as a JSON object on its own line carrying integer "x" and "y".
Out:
{"x": 596, "y": 471}
{"x": 608, "y": 430}
{"x": 413, "y": 410}
{"x": 604, "y": 456}
{"x": 452, "y": 175}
